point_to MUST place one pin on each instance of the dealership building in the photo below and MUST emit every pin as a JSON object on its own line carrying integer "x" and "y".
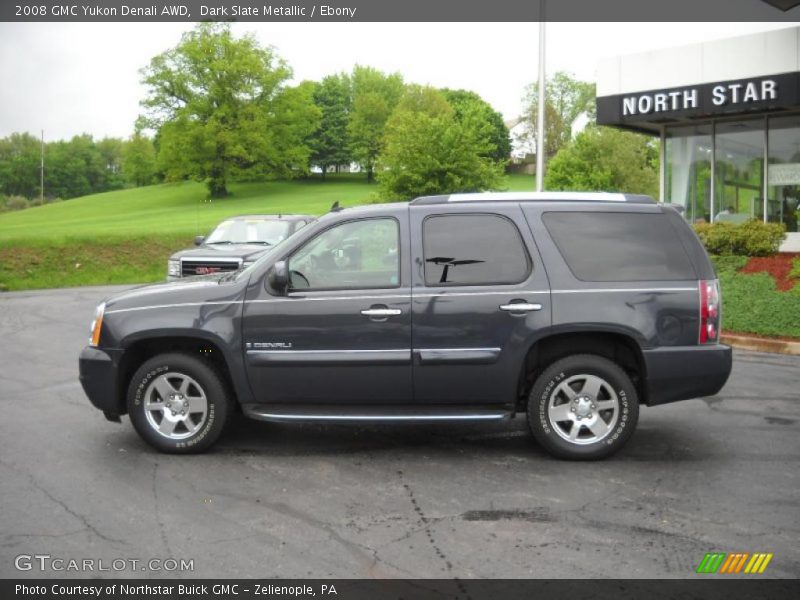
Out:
{"x": 727, "y": 114}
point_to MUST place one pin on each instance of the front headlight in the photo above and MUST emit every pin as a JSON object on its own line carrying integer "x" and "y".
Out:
{"x": 247, "y": 263}
{"x": 97, "y": 325}
{"x": 174, "y": 268}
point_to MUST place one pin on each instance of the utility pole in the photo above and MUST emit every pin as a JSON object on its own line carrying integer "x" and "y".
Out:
{"x": 41, "y": 172}
{"x": 540, "y": 145}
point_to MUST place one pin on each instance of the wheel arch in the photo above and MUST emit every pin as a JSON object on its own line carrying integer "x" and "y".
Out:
{"x": 619, "y": 347}
{"x": 208, "y": 348}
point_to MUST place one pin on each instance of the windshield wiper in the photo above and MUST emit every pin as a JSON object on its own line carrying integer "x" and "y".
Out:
{"x": 220, "y": 242}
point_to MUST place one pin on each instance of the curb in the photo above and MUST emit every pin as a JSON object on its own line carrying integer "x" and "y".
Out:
{"x": 758, "y": 344}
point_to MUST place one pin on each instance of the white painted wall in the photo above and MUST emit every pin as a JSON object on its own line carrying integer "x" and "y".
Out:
{"x": 768, "y": 53}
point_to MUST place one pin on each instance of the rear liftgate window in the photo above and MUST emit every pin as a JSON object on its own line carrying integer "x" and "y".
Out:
{"x": 619, "y": 246}
{"x": 473, "y": 250}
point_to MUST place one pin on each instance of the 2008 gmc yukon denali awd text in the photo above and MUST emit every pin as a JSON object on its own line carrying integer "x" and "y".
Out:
{"x": 574, "y": 308}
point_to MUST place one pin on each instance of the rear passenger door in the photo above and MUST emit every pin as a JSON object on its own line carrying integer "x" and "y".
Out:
{"x": 479, "y": 297}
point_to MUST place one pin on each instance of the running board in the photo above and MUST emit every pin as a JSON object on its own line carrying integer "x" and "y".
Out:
{"x": 287, "y": 413}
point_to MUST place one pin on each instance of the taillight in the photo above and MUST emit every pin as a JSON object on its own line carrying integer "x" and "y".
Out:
{"x": 709, "y": 312}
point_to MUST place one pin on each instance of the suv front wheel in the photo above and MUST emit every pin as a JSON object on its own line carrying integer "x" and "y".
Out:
{"x": 583, "y": 407}
{"x": 178, "y": 403}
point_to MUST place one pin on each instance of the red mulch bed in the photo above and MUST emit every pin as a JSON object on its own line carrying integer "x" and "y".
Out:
{"x": 778, "y": 266}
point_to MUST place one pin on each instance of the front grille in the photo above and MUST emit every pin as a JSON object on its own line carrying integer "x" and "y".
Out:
{"x": 206, "y": 267}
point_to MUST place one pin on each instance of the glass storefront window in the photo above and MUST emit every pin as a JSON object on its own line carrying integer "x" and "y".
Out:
{"x": 688, "y": 170}
{"x": 783, "y": 172}
{"x": 739, "y": 170}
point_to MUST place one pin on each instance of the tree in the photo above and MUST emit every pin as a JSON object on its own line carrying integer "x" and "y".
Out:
{"x": 375, "y": 96}
{"x": 566, "y": 99}
{"x": 607, "y": 159}
{"x": 110, "y": 151}
{"x": 19, "y": 165}
{"x": 70, "y": 168}
{"x": 214, "y": 100}
{"x": 430, "y": 150}
{"x": 330, "y": 143}
{"x": 461, "y": 100}
{"x": 139, "y": 160}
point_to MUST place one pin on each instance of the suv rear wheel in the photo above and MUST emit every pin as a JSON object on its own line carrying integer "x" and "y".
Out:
{"x": 178, "y": 403}
{"x": 583, "y": 407}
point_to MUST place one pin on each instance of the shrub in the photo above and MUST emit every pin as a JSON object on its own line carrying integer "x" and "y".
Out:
{"x": 751, "y": 238}
{"x": 16, "y": 203}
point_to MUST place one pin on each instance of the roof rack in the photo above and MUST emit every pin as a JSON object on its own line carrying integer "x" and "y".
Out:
{"x": 536, "y": 197}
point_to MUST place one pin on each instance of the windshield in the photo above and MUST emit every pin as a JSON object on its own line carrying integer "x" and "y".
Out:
{"x": 266, "y": 232}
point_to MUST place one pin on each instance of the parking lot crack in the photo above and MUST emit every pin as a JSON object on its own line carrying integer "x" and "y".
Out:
{"x": 161, "y": 530}
{"x": 87, "y": 526}
{"x": 426, "y": 523}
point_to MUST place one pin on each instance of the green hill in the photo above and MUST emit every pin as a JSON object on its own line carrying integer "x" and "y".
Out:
{"x": 127, "y": 235}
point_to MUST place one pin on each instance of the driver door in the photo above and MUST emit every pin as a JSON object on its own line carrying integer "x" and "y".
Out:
{"x": 342, "y": 332}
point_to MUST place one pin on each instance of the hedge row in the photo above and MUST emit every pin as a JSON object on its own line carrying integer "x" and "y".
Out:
{"x": 751, "y": 238}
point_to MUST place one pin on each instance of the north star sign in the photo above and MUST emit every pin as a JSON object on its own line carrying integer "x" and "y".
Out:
{"x": 646, "y": 109}
{"x": 721, "y": 95}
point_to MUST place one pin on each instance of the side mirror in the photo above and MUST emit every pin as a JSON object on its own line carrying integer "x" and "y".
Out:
{"x": 278, "y": 276}
{"x": 199, "y": 240}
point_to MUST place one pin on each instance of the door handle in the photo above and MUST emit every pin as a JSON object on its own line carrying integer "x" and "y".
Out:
{"x": 381, "y": 312}
{"x": 520, "y": 307}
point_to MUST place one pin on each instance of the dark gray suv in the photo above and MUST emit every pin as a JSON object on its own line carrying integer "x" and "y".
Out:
{"x": 574, "y": 308}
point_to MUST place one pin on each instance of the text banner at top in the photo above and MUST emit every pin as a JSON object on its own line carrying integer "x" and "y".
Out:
{"x": 399, "y": 10}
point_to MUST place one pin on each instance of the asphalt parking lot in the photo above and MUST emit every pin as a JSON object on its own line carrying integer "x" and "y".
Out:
{"x": 467, "y": 501}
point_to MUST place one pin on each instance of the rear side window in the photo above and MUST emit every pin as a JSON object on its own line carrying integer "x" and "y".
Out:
{"x": 608, "y": 246}
{"x": 473, "y": 250}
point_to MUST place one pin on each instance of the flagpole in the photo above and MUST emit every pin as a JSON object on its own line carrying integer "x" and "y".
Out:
{"x": 540, "y": 145}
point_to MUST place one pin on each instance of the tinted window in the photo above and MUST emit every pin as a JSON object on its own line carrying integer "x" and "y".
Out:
{"x": 357, "y": 254}
{"x": 473, "y": 250}
{"x": 619, "y": 246}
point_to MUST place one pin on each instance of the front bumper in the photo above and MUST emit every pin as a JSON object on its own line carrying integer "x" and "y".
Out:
{"x": 684, "y": 372}
{"x": 99, "y": 375}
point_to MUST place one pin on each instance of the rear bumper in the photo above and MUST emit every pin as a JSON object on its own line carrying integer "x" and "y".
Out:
{"x": 685, "y": 372}
{"x": 99, "y": 371}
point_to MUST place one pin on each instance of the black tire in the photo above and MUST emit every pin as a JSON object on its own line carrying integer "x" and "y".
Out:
{"x": 589, "y": 443}
{"x": 194, "y": 432}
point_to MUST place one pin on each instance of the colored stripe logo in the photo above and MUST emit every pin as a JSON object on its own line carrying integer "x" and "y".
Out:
{"x": 734, "y": 562}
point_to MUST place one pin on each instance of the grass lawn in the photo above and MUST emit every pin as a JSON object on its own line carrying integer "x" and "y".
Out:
{"x": 751, "y": 302}
{"x": 127, "y": 235}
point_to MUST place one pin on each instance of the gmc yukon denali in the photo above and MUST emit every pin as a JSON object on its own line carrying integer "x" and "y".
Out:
{"x": 574, "y": 308}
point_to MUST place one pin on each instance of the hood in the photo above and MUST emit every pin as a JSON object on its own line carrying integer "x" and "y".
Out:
{"x": 218, "y": 287}
{"x": 223, "y": 251}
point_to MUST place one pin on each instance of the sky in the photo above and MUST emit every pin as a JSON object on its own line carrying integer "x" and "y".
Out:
{"x": 73, "y": 78}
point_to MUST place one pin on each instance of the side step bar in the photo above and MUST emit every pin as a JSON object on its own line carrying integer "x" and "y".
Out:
{"x": 288, "y": 413}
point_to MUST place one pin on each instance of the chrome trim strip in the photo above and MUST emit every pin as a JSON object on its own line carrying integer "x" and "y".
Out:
{"x": 457, "y": 349}
{"x": 301, "y": 417}
{"x": 120, "y": 310}
{"x": 322, "y": 351}
{"x": 295, "y": 299}
{"x": 603, "y": 290}
{"x": 517, "y": 292}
